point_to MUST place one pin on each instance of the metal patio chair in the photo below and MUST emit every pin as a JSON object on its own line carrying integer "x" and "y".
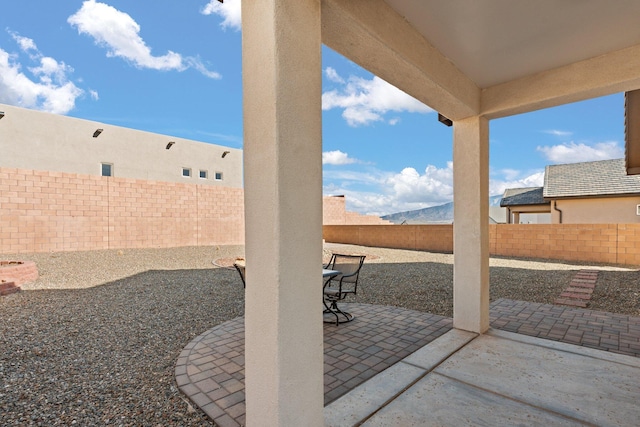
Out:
{"x": 240, "y": 267}
{"x": 338, "y": 287}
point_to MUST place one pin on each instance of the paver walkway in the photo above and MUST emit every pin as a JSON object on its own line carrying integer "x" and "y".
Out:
{"x": 210, "y": 369}
{"x": 579, "y": 291}
{"x": 617, "y": 333}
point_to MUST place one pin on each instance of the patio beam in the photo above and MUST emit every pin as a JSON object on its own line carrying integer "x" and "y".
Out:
{"x": 471, "y": 224}
{"x": 373, "y": 35}
{"x": 614, "y": 72}
{"x": 281, "y": 54}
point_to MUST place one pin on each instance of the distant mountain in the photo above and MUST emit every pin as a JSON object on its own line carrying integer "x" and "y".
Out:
{"x": 442, "y": 214}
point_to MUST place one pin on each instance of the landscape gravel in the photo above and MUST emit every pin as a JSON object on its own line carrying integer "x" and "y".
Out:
{"x": 95, "y": 339}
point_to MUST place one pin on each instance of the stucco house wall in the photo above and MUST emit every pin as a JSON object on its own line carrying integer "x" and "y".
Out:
{"x": 604, "y": 210}
{"x": 35, "y": 140}
{"x": 597, "y": 192}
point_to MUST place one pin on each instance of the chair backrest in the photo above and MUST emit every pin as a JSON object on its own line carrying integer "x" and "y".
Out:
{"x": 240, "y": 269}
{"x": 348, "y": 265}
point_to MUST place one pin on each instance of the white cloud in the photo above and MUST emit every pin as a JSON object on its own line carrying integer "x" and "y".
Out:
{"x": 230, "y": 11}
{"x": 434, "y": 186}
{"x": 47, "y": 88}
{"x": 497, "y": 185}
{"x": 510, "y": 174}
{"x": 574, "y": 153}
{"x": 336, "y": 157}
{"x": 394, "y": 121}
{"x": 26, "y": 44}
{"x": 380, "y": 193}
{"x": 366, "y": 101}
{"x": 557, "y": 132}
{"x": 333, "y": 75}
{"x": 119, "y": 33}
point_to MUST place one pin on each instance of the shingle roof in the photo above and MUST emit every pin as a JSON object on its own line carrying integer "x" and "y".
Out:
{"x": 601, "y": 178}
{"x": 523, "y": 196}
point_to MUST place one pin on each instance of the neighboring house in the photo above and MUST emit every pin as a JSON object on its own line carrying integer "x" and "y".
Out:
{"x": 592, "y": 192}
{"x": 580, "y": 193}
{"x": 528, "y": 202}
{"x": 35, "y": 140}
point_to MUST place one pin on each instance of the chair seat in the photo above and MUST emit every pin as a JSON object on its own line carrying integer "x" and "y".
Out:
{"x": 336, "y": 291}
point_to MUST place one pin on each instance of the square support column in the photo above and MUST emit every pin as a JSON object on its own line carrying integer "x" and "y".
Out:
{"x": 282, "y": 82}
{"x": 471, "y": 224}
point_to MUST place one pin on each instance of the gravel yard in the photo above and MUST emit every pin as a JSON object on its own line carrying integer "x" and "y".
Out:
{"x": 94, "y": 341}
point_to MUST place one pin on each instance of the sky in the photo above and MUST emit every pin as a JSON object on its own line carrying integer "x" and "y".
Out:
{"x": 175, "y": 68}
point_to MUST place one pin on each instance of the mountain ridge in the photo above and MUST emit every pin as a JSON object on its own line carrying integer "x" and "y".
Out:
{"x": 440, "y": 214}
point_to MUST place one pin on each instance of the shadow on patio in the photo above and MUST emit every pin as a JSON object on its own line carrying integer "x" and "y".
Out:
{"x": 210, "y": 370}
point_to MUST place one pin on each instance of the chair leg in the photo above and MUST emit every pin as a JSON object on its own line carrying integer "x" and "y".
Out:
{"x": 335, "y": 310}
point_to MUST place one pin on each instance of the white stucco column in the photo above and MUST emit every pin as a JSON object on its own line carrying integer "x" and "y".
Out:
{"x": 471, "y": 224}
{"x": 281, "y": 53}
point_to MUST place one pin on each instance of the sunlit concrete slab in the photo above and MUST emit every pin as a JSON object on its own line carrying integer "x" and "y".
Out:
{"x": 439, "y": 401}
{"x": 366, "y": 399}
{"x": 562, "y": 380}
{"x": 430, "y": 356}
{"x": 502, "y": 378}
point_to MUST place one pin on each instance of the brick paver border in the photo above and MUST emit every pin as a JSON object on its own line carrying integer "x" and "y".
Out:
{"x": 617, "y": 333}
{"x": 210, "y": 369}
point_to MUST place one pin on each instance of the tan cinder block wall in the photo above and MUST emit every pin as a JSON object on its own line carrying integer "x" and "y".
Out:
{"x": 600, "y": 243}
{"x": 333, "y": 210}
{"x": 571, "y": 242}
{"x": 55, "y": 211}
{"x": 356, "y": 218}
{"x": 437, "y": 238}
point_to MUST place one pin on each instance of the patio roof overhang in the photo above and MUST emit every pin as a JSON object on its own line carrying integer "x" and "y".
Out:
{"x": 495, "y": 58}
{"x": 470, "y": 61}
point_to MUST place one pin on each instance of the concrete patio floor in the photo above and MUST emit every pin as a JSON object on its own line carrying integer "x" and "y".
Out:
{"x": 398, "y": 367}
{"x": 496, "y": 379}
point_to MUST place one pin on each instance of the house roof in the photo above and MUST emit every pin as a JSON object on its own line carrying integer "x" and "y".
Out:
{"x": 589, "y": 179}
{"x": 523, "y": 196}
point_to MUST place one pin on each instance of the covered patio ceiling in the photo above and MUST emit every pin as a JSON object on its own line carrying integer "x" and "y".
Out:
{"x": 497, "y": 41}
{"x": 494, "y": 58}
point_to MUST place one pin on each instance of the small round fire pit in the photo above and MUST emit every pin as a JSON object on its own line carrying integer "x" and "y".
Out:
{"x": 18, "y": 272}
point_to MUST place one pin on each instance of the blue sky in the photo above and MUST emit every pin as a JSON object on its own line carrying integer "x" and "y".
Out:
{"x": 175, "y": 68}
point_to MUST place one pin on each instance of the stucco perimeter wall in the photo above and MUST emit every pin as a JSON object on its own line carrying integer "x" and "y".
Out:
{"x": 54, "y": 211}
{"x": 602, "y": 243}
